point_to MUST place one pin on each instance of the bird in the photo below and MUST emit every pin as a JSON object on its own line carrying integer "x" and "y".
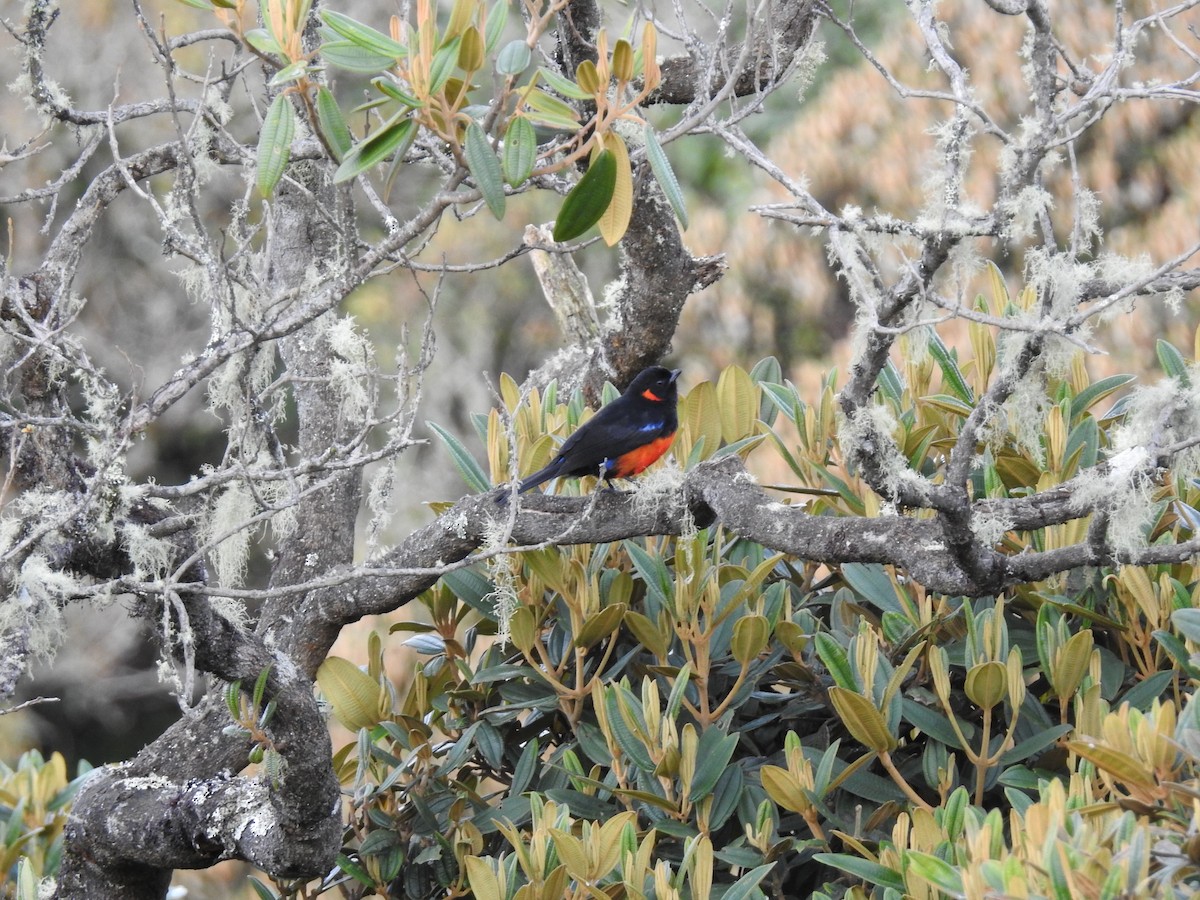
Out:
{"x": 622, "y": 438}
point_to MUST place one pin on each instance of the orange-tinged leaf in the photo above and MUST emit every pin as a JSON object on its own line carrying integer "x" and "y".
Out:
{"x": 615, "y": 220}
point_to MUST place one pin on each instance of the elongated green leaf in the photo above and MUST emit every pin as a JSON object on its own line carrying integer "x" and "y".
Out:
{"x": 261, "y": 890}
{"x": 350, "y": 56}
{"x": 624, "y": 735}
{"x": 712, "y": 756}
{"x": 485, "y": 168}
{"x": 263, "y": 41}
{"x": 864, "y": 869}
{"x": 289, "y": 73}
{"x": 548, "y": 109}
{"x": 564, "y": 86}
{"x": 745, "y": 886}
{"x": 951, "y": 376}
{"x": 333, "y": 126}
{"x": 1171, "y": 360}
{"x": 396, "y": 133}
{"x": 275, "y": 143}
{"x": 386, "y": 86}
{"x": 836, "y": 661}
{"x": 588, "y": 200}
{"x": 497, "y": 18}
{"x": 665, "y": 175}
{"x": 514, "y": 58}
{"x": 1094, "y": 393}
{"x": 466, "y": 464}
{"x": 444, "y": 63}
{"x": 363, "y": 35}
{"x": 520, "y": 151}
{"x": 936, "y": 871}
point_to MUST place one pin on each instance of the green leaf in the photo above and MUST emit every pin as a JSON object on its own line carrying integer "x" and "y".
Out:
{"x": 262, "y": 41}
{"x": 1094, "y": 393}
{"x": 1033, "y": 745}
{"x": 951, "y": 376}
{"x": 261, "y": 890}
{"x": 514, "y": 58}
{"x": 864, "y": 869}
{"x": 445, "y": 61}
{"x": 744, "y": 886}
{"x": 363, "y": 35}
{"x": 564, "y": 86}
{"x": 275, "y": 143}
{"x": 621, "y": 732}
{"x": 485, "y": 167}
{"x": 936, "y": 871}
{"x": 665, "y": 175}
{"x": 1141, "y": 696}
{"x": 333, "y": 126}
{"x": 386, "y": 86}
{"x": 588, "y": 200}
{"x": 289, "y": 73}
{"x": 497, "y": 18}
{"x": 550, "y": 111}
{"x": 1187, "y": 623}
{"x": 355, "y": 871}
{"x": 836, "y": 661}
{"x": 350, "y": 56}
{"x": 398, "y": 132}
{"x": 523, "y": 771}
{"x": 713, "y": 753}
{"x": 932, "y": 723}
{"x": 871, "y": 582}
{"x": 1172, "y": 361}
{"x": 466, "y": 464}
{"x": 520, "y": 151}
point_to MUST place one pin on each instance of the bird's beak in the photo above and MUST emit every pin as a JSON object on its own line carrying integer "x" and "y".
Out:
{"x": 675, "y": 374}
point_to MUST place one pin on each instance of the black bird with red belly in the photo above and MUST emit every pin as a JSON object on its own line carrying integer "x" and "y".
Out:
{"x": 624, "y": 437}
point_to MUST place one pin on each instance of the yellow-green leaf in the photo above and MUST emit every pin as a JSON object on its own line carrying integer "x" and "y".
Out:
{"x": 357, "y": 699}
{"x": 470, "y": 51}
{"x": 622, "y": 60}
{"x": 750, "y": 635}
{"x": 587, "y": 76}
{"x": 600, "y": 626}
{"x": 484, "y": 883}
{"x": 864, "y": 721}
{"x": 738, "y": 399}
{"x": 1120, "y": 766}
{"x": 648, "y": 634}
{"x": 987, "y": 684}
{"x": 784, "y": 789}
{"x": 615, "y": 220}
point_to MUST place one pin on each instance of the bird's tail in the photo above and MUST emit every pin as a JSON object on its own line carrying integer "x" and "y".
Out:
{"x": 539, "y": 477}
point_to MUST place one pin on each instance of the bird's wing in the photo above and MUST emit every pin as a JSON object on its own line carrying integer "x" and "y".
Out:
{"x": 607, "y": 435}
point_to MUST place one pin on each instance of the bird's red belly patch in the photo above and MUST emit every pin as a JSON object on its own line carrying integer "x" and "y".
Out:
{"x": 635, "y": 461}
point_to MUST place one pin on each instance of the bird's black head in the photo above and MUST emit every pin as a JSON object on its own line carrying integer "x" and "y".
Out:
{"x": 656, "y": 384}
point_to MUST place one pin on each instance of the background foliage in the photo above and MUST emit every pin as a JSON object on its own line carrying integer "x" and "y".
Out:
{"x": 693, "y": 714}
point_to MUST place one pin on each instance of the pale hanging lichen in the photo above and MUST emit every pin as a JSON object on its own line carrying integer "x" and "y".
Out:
{"x": 226, "y": 529}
